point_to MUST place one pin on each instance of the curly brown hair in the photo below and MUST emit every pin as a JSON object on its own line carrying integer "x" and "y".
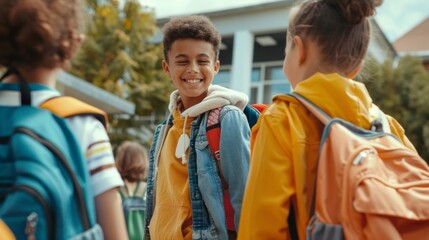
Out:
{"x": 132, "y": 161}
{"x": 40, "y": 33}
{"x": 340, "y": 27}
{"x": 191, "y": 27}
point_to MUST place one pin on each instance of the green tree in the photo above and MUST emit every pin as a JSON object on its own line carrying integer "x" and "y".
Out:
{"x": 117, "y": 55}
{"x": 402, "y": 91}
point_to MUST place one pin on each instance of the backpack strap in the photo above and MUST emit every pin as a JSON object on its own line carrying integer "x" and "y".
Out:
{"x": 213, "y": 137}
{"x": 252, "y": 113}
{"x": 319, "y": 113}
{"x": 23, "y": 85}
{"x": 139, "y": 191}
{"x": 123, "y": 191}
{"x": 65, "y": 106}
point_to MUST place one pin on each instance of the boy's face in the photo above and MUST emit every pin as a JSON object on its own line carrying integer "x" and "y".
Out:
{"x": 191, "y": 66}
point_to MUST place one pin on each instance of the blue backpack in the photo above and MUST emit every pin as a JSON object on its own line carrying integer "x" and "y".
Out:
{"x": 45, "y": 190}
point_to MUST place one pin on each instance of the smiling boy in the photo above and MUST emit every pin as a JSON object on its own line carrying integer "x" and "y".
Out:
{"x": 185, "y": 195}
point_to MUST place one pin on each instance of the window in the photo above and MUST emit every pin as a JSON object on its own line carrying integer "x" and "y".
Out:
{"x": 256, "y": 75}
{"x": 223, "y": 78}
{"x": 274, "y": 82}
{"x": 273, "y": 89}
{"x": 267, "y": 80}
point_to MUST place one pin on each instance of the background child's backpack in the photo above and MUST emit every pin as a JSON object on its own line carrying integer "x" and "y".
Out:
{"x": 134, "y": 207}
{"x": 252, "y": 113}
{"x": 45, "y": 190}
{"x": 368, "y": 185}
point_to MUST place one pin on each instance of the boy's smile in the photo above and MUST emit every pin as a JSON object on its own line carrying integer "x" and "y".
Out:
{"x": 191, "y": 66}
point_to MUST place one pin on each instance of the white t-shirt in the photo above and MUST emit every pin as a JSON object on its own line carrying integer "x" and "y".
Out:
{"x": 90, "y": 134}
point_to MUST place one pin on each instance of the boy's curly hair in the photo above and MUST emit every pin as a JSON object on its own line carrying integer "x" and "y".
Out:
{"x": 190, "y": 27}
{"x": 40, "y": 33}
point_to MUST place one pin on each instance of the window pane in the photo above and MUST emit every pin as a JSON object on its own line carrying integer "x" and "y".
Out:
{"x": 273, "y": 89}
{"x": 253, "y": 95}
{"x": 223, "y": 78}
{"x": 256, "y": 74}
{"x": 274, "y": 73}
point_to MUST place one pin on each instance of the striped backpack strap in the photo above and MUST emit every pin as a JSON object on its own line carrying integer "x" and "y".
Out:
{"x": 65, "y": 106}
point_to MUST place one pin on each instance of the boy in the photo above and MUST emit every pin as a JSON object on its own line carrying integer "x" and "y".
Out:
{"x": 185, "y": 197}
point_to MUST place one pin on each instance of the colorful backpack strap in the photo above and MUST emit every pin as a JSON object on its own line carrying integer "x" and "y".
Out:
{"x": 213, "y": 137}
{"x": 65, "y": 106}
{"x": 252, "y": 113}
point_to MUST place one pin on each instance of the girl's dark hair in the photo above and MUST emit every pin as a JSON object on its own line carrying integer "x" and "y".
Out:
{"x": 341, "y": 29}
{"x": 132, "y": 161}
{"x": 190, "y": 27}
{"x": 39, "y": 33}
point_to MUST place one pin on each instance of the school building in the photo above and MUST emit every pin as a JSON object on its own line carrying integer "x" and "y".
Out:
{"x": 252, "y": 51}
{"x": 71, "y": 85}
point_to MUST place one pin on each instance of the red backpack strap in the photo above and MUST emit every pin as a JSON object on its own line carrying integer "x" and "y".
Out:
{"x": 213, "y": 137}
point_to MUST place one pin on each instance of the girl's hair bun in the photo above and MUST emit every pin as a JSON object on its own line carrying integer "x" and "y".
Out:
{"x": 354, "y": 11}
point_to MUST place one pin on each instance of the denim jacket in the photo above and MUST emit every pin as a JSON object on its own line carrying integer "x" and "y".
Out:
{"x": 208, "y": 217}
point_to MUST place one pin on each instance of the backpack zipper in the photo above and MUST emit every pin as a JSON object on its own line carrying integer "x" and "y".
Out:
{"x": 30, "y": 227}
{"x": 363, "y": 155}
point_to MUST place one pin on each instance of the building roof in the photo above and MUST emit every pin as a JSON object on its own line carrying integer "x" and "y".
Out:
{"x": 73, "y": 86}
{"x": 415, "y": 41}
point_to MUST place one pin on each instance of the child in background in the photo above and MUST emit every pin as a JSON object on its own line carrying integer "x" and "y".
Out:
{"x": 38, "y": 39}
{"x": 185, "y": 194}
{"x": 327, "y": 41}
{"x": 132, "y": 164}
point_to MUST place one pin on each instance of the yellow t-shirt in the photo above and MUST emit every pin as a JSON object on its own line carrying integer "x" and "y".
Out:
{"x": 172, "y": 217}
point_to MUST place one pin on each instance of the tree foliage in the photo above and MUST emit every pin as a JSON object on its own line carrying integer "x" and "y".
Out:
{"x": 117, "y": 55}
{"x": 402, "y": 91}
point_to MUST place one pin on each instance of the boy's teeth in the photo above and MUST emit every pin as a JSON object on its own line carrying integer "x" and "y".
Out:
{"x": 193, "y": 80}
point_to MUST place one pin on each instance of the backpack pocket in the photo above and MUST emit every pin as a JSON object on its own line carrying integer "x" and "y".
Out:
{"x": 390, "y": 199}
{"x": 32, "y": 218}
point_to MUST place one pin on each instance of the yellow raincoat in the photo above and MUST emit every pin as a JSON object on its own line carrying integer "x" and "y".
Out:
{"x": 284, "y": 149}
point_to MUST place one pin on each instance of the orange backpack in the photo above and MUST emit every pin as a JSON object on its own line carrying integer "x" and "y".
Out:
{"x": 369, "y": 185}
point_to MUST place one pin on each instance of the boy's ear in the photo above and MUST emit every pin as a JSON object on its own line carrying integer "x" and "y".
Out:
{"x": 216, "y": 67}
{"x": 302, "y": 50}
{"x": 165, "y": 67}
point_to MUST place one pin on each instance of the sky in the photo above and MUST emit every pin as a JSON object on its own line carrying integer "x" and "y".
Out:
{"x": 395, "y": 17}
